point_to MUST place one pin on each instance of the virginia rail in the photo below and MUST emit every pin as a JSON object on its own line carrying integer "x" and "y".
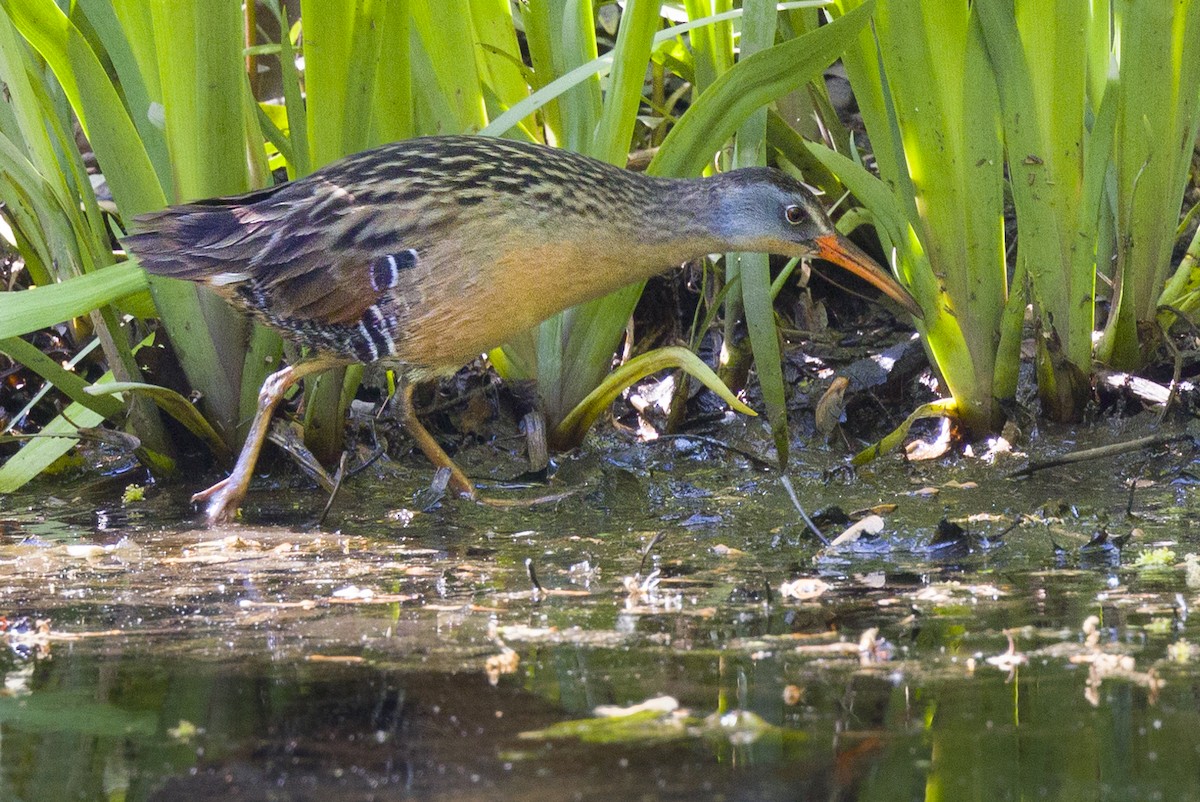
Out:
{"x": 425, "y": 253}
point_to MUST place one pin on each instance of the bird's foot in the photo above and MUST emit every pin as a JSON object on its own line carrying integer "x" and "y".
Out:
{"x": 460, "y": 485}
{"x": 223, "y": 499}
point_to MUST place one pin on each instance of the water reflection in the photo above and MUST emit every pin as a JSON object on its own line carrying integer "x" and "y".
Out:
{"x": 103, "y": 720}
{"x": 387, "y": 656}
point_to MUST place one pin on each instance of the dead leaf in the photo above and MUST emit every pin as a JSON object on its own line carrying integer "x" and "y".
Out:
{"x": 871, "y": 525}
{"x": 659, "y": 704}
{"x": 804, "y": 588}
{"x": 831, "y": 409}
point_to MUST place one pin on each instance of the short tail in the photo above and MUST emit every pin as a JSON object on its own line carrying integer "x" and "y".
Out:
{"x": 184, "y": 241}
{"x": 197, "y": 241}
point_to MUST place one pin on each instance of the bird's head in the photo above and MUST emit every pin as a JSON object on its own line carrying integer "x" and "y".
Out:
{"x": 766, "y": 211}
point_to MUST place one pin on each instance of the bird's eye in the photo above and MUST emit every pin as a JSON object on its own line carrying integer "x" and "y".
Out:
{"x": 794, "y": 214}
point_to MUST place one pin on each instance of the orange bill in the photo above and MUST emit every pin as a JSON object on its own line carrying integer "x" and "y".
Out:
{"x": 844, "y": 253}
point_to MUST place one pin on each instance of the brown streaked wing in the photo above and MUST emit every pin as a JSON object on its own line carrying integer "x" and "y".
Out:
{"x": 321, "y": 261}
{"x": 334, "y": 293}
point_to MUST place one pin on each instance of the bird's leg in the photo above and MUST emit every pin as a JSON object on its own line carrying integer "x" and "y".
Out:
{"x": 226, "y": 495}
{"x": 459, "y": 483}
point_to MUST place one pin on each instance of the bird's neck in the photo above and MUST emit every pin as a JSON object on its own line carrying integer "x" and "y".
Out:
{"x": 673, "y": 221}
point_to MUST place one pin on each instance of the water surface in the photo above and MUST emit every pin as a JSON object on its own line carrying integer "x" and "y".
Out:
{"x": 395, "y": 653}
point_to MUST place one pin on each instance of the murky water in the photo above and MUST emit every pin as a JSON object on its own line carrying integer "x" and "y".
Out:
{"x": 392, "y": 654}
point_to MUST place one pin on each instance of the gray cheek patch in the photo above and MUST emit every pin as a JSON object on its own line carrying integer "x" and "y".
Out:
{"x": 385, "y": 271}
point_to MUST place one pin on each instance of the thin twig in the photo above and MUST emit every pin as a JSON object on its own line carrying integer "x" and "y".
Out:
{"x": 532, "y": 572}
{"x": 757, "y": 460}
{"x": 787, "y": 485}
{"x": 337, "y": 485}
{"x": 654, "y": 541}
{"x": 1112, "y": 450}
{"x": 367, "y": 463}
{"x": 284, "y": 436}
{"x": 1176, "y": 352}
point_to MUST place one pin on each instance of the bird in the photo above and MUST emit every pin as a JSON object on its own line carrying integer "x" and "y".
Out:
{"x": 424, "y": 253}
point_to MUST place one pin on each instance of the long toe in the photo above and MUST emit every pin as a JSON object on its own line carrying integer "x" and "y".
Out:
{"x": 205, "y": 495}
